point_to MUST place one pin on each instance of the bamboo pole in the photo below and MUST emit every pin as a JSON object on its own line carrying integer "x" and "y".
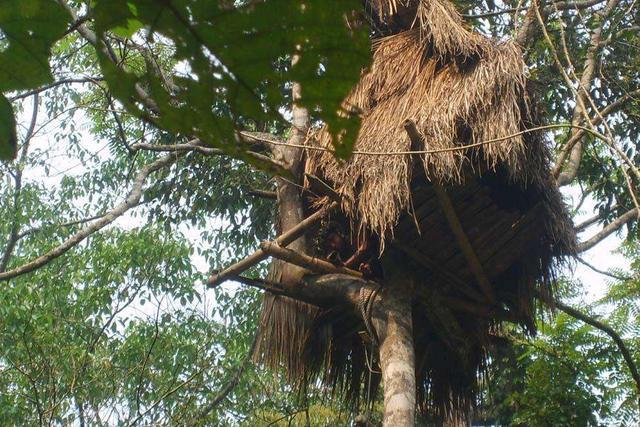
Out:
{"x": 417, "y": 140}
{"x": 464, "y": 243}
{"x": 316, "y": 265}
{"x": 260, "y": 255}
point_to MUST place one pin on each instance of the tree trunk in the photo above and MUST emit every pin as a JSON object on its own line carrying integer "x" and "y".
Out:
{"x": 392, "y": 321}
{"x": 289, "y": 194}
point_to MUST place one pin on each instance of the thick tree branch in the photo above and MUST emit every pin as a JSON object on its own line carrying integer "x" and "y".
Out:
{"x": 264, "y": 194}
{"x": 609, "y": 229}
{"x": 527, "y": 30}
{"x": 322, "y": 290}
{"x": 132, "y": 200}
{"x": 191, "y": 146}
{"x": 584, "y": 87}
{"x": 626, "y": 354}
{"x": 262, "y": 284}
{"x": 590, "y": 221}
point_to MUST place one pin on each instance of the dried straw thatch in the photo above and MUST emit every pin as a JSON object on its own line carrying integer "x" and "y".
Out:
{"x": 459, "y": 88}
{"x": 411, "y": 78}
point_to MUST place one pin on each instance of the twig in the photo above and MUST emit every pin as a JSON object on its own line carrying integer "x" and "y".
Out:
{"x": 119, "y": 125}
{"x": 54, "y": 84}
{"x": 560, "y": 6}
{"x": 605, "y": 273}
{"x": 33, "y": 230}
{"x": 164, "y": 396}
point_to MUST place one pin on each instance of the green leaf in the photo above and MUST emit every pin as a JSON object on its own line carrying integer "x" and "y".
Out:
{"x": 30, "y": 28}
{"x": 234, "y": 58}
{"x": 7, "y": 130}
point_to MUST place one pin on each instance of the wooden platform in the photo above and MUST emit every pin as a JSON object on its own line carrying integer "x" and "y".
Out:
{"x": 499, "y": 235}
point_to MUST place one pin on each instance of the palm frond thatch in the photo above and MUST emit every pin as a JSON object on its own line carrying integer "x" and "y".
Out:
{"x": 445, "y": 100}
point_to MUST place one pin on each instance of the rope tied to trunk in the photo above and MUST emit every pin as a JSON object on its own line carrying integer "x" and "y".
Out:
{"x": 365, "y": 304}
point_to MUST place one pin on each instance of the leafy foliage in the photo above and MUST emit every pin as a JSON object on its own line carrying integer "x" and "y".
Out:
{"x": 120, "y": 329}
{"x": 226, "y": 55}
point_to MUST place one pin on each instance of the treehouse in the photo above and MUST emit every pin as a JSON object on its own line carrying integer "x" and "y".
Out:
{"x": 450, "y": 180}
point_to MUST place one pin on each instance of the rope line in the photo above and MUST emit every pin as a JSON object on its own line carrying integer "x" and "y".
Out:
{"x": 439, "y": 150}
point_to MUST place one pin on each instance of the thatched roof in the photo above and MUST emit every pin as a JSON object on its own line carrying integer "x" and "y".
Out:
{"x": 459, "y": 88}
{"x": 455, "y": 84}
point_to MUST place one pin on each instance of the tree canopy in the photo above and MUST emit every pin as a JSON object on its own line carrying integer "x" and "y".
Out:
{"x": 135, "y": 141}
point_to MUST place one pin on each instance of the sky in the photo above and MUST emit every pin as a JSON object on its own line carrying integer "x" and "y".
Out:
{"x": 603, "y": 256}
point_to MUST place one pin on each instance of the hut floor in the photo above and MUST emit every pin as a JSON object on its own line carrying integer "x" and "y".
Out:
{"x": 500, "y": 236}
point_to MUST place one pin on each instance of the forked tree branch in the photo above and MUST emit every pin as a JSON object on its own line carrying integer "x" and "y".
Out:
{"x": 626, "y": 354}
{"x": 609, "y": 229}
{"x": 131, "y": 201}
{"x": 589, "y": 222}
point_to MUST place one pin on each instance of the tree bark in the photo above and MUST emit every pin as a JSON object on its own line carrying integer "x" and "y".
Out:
{"x": 392, "y": 321}
{"x": 289, "y": 193}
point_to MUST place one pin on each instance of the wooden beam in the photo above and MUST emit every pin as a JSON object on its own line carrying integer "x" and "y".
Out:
{"x": 265, "y": 285}
{"x": 313, "y": 264}
{"x": 417, "y": 140}
{"x": 260, "y": 255}
{"x": 463, "y": 242}
{"x": 444, "y": 275}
